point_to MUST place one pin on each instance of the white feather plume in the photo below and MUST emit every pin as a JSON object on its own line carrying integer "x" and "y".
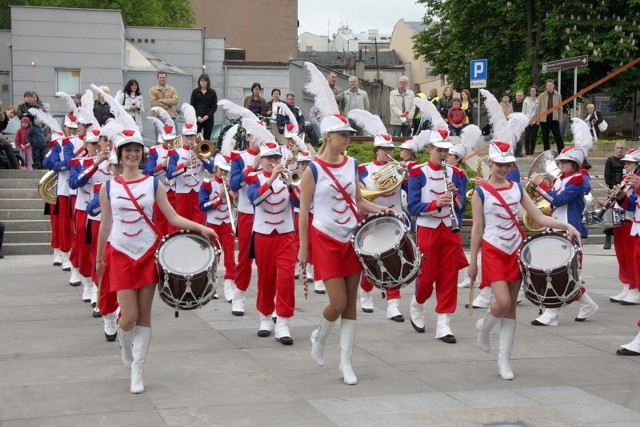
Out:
{"x": 496, "y": 116}
{"x": 471, "y": 137}
{"x": 235, "y": 111}
{"x": 46, "y": 118}
{"x": 369, "y": 122}
{"x": 86, "y": 101}
{"x": 69, "y": 104}
{"x": 119, "y": 97}
{"x": 111, "y": 129}
{"x": 428, "y": 109}
{"x": 88, "y": 114}
{"x": 319, "y": 88}
{"x": 582, "y": 137}
{"x": 282, "y": 108}
{"x": 189, "y": 113}
{"x": 164, "y": 117}
{"x": 157, "y": 124}
{"x": 422, "y": 139}
{"x": 257, "y": 130}
{"x": 118, "y": 111}
{"x": 301, "y": 145}
{"x": 229, "y": 140}
{"x": 516, "y": 124}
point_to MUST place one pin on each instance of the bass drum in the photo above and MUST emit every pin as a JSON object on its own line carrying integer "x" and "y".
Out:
{"x": 387, "y": 252}
{"x": 186, "y": 263}
{"x": 550, "y": 266}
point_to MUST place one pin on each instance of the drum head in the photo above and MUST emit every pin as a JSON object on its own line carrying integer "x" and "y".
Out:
{"x": 547, "y": 252}
{"x": 186, "y": 254}
{"x": 379, "y": 235}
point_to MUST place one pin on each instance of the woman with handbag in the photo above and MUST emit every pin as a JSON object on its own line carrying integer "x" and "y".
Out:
{"x": 595, "y": 120}
{"x": 127, "y": 206}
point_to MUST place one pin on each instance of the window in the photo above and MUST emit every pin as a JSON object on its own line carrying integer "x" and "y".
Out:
{"x": 68, "y": 80}
{"x": 427, "y": 73}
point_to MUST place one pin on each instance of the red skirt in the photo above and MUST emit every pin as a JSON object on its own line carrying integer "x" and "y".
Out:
{"x": 127, "y": 273}
{"x": 498, "y": 266}
{"x": 331, "y": 258}
{"x": 107, "y": 299}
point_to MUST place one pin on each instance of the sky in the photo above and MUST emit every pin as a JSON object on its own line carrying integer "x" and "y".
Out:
{"x": 325, "y": 16}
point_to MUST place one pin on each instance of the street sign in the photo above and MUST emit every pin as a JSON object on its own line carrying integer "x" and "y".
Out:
{"x": 478, "y": 69}
{"x": 563, "y": 64}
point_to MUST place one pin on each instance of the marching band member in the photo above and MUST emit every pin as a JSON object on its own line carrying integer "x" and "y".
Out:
{"x": 496, "y": 228}
{"x": 330, "y": 182}
{"x": 304, "y": 158}
{"x": 213, "y": 200}
{"x": 632, "y": 348}
{"x": 382, "y": 148}
{"x": 156, "y": 165}
{"x": 274, "y": 243}
{"x": 436, "y": 202}
{"x": 567, "y": 199}
{"x": 127, "y": 205}
{"x": 624, "y": 247}
{"x": 187, "y": 167}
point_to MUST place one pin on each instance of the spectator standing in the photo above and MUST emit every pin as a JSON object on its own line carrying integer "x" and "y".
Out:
{"x": 593, "y": 119}
{"x": 445, "y": 102}
{"x": 613, "y": 172}
{"x": 133, "y": 102}
{"x": 38, "y": 142}
{"x": 530, "y": 108}
{"x": 550, "y": 122}
{"x": 355, "y": 98}
{"x": 22, "y": 142}
{"x": 275, "y": 97}
{"x": 505, "y": 104}
{"x": 338, "y": 93}
{"x": 31, "y": 100}
{"x": 417, "y": 117}
{"x": 5, "y": 145}
{"x": 466, "y": 103}
{"x": 101, "y": 109}
{"x": 402, "y": 105}
{"x": 517, "y": 106}
{"x": 205, "y": 101}
{"x": 256, "y": 103}
{"x": 164, "y": 96}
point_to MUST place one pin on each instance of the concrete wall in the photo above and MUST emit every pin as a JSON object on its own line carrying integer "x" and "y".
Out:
{"x": 43, "y": 36}
{"x": 5, "y": 67}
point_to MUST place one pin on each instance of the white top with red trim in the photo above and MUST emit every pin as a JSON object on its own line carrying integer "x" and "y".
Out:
{"x": 273, "y": 209}
{"x": 430, "y": 192}
{"x": 561, "y": 212}
{"x": 85, "y": 192}
{"x": 101, "y": 175}
{"x": 187, "y": 179}
{"x": 635, "y": 227}
{"x": 499, "y": 229}
{"x": 392, "y": 200}
{"x": 248, "y": 157}
{"x": 220, "y": 212}
{"x": 161, "y": 171}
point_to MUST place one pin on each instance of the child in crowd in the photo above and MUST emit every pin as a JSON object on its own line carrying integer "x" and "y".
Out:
{"x": 456, "y": 117}
{"x": 36, "y": 138}
{"x": 22, "y": 141}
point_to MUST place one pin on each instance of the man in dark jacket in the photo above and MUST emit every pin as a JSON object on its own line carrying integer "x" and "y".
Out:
{"x": 613, "y": 170}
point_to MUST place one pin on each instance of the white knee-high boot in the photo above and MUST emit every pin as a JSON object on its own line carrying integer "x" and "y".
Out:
{"x": 126, "y": 345}
{"x": 484, "y": 327}
{"x": 347, "y": 338}
{"x": 318, "y": 339}
{"x": 141, "y": 340}
{"x": 507, "y": 333}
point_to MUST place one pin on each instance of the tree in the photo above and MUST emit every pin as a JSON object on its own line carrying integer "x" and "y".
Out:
{"x": 152, "y": 13}
{"x": 518, "y": 36}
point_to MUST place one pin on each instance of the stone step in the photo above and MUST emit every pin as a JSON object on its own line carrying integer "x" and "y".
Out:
{"x": 28, "y": 214}
{"x": 19, "y": 193}
{"x": 20, "y": 174}
{"x": 27, "y": 249}
{"x": 27, "y": 237}
{"x": 28, "y": 225}
{"x": 19, "y": 183}
{"x": 17, "y": 204}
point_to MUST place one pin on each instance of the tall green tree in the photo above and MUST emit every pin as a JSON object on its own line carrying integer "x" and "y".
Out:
{"x": 518, "y": 36}
{"x": 152, "y": 13}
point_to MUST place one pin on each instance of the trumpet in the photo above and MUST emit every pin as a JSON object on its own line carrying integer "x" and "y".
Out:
{"x": 612, "y": 198}
{"x": 479, "y": 174}
{"x": 455, "y": 227}
{"x": 291, "y": 177}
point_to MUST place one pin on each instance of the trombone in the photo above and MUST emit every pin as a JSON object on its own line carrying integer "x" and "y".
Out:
{"x": 230, "y": 206}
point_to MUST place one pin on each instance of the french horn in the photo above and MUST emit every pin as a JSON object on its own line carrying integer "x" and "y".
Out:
{"x": 386, "y": 180}
{"x": 545, "y": 166}
{"x": 48, "y": 187}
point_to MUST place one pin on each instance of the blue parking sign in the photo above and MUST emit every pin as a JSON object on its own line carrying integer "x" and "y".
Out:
{"x": 478, "y": 73}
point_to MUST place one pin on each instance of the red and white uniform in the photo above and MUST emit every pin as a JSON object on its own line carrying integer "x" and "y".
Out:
{"x": 155, "y": 166}
{"x": 274, "y": 244}
{"x": 81, "y": 169}
{"x": 624, "y": 246}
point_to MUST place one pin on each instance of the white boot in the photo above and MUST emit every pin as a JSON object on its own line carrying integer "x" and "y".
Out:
{"x": 587, "y": 308}
{"x": 309, "y": 273}
{"x": 66, "y": 264}
{"x": 229, "y": 288}
{"x": 126, "y": 346}
{"x": 140, "y": 347}
{"x": 76, "y": 278}
{"x": 347, "y": 338}
{"x": 318, "y": 287}
{"x": 282, "y": 331}
{"x": 465, "y": 283}
{"x": 483, "y": 300}
{"x": 483, "y": 327}
{"x": 507, "y": 333}
{"x": 622, "y": 294}
{"x": 417, "y": 312}
{"x": 550, "y": 317}
{"x": 87, "y": 286}
{"x": 266, "y": 326}
{"x": 319, "y": 338}
{"x": 237, "y": 303}
{"x": 366, "y": 301}
{"x": 443, "y": 330}
{"x": 631, "y": 298}
{"x": 296, "y": 271}
{"x": 110, "y": 326}
{"x": 94, "y": 292}
{"x": 631, "y": 349}
{"x": 57, "y": 257}
{"x": 393, "y": 310}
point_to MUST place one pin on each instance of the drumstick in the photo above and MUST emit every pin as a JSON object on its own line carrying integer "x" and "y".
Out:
{"x": 305, "y": 284}
{"x": 470, "y": 305}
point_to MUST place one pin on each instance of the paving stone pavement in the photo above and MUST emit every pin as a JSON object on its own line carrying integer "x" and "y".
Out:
{"x": 209, "y": 368}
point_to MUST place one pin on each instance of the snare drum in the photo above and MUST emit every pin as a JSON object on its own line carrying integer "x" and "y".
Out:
{"x": 186, "y": 263}
{"x": 612, "y": 218}
{"x": 387, "y": 252}
{"x": 550, "y": 268}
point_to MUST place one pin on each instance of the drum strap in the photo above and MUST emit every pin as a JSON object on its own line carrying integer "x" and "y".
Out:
{"x": 488, "y": 188}
{"x": 347, "y": 197}
{"x": 122, "y": 182}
